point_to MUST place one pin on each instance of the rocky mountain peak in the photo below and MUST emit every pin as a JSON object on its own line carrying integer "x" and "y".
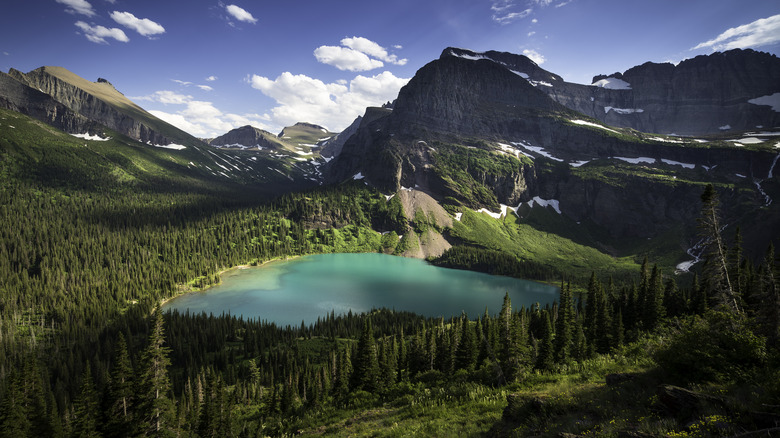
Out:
{"x": 247, "y": 136}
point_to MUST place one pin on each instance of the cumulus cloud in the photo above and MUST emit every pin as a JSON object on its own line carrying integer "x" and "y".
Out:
{"x": 211, "y": 78}
{"x": 534, "y": 56}
{"x": 98, "y": 34}
{"x": 357, "y": 54}
{"x": 370, "y": 48}
{"x": 144, "y": 26}
{"x": 240, "y": 14}
{"x": 344, "y": 58}
{"x": 78, "y": 7}
{"x": 335, "y": 105}
{"x": 756, "y": 34}
{"x": 200, "y": 118}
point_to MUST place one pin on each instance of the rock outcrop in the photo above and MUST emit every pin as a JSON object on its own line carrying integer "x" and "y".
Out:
{"x": 99, "y": 102}
{"x": 247, "y": 137}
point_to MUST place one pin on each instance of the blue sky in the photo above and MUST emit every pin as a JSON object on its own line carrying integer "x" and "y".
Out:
{"x": 209, "y": 66}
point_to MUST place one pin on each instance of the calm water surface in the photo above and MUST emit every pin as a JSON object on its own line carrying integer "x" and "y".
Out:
{"x": 302, "y": 289}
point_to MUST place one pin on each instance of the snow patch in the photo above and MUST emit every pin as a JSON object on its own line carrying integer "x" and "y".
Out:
{"x": 86, "y": 136}
{"x": 612, "y": 84}
{"x": 358, "y": 176}
{"x": 772, "y": 100}
{"x": 554, "y": 203}
{"x": 542, "y": 83}
{"x": 510, "y": 150}
{"x": 636, "y": 160}
{"x": 537, "y": 149}
{"x": 458, "y": 216}
{"x": 724, "y": 127}
{"x": 494, "y": 215}
{"x": 519, "y": 73}
{"x": 677, "y": 163}
{"x": 174, "y": 146}
{"x": 740, "y": 175}
{"x": 595, "y": 125}
{"x": 389, "y": 197}
{"x": 607, "y": 109}
{"x": 666, "y": 140}
{"x": 579, "y": 163}
{"x": 748, "y": 140}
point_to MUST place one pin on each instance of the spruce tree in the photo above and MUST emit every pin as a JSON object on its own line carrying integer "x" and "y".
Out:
{"x": 155, "y": 413}
{"x": 466, "y": 354}
{"x": 563, "y": 325}
{"x": 120, "y": 393}
{"x": 86, "y": 408}
{"x": 544, "y": 358}
{"x": 365, "y": 374}
{"x": 716, "y": 264}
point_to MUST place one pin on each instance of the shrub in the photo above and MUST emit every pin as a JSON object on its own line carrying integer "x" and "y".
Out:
{"x": 719, "y": 346}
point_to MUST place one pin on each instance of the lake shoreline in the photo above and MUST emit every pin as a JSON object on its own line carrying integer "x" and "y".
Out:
{"x": 186, "y": 290}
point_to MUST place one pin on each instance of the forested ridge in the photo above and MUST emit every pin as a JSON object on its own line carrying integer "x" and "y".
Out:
{"x": 84, "y": 264}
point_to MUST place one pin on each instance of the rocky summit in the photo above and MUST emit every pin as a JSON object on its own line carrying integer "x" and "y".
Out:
{"x": 491, "y": 130}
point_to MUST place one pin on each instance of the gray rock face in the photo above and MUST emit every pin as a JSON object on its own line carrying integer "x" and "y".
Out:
{"x": 247, "y": 136}
{"x": 122, "y": 116}
{"x": 18, "y": 97}
{"x": 333, "y": 147}
{"x": 703, "y": 95}
{"x": 465, "y": 97}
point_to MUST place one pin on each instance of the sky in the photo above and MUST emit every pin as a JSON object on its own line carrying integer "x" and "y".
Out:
{"x": 208, "y": 66}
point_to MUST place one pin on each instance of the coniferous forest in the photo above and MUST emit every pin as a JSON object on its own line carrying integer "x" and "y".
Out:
{"x": 85, "y": 350}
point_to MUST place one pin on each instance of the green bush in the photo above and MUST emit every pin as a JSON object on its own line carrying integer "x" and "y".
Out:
{"x": 717, "y": 347}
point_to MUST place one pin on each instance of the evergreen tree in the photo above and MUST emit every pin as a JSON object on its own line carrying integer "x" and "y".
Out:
{"x": 86, "y": 408}
{"x": 365, "y": 374}
{"x": 466, "y": 354}
{"x": 563, "y": 325}
{"x": 544, "y": 358}
{"x": 155, "y": 408}
{"x": 716, "y": 264}
{"x": 120, "y": 393}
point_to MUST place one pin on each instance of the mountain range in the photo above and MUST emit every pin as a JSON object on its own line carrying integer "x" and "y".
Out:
{"x": 622, "y": 159}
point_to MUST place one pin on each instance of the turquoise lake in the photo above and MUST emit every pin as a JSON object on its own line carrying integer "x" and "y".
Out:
{"x": 302, "y": 289}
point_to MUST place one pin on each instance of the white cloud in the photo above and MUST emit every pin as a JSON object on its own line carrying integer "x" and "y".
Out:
{"x": 166, "y": 97}
{"x": 199, "y": 118}
{"x": 335, "y": 105}
{"x": 534, "y": 21}
{"x": 530, "y": 34}
{"x": 344, "y": 58}
{"x": 756, "y": 34}
{"x": 511, "y": 16}
{"x": 180, "y": 82}
{"x": 240, "y": 14}
{"x": 78, "y": 7}
{"x": 534, "y": 56}
{"x": 144, "y": 26}
{"x": 211, "y": 78}
{"x": 372, "y": 49}
{"x": 98, "y": 34}
{"x": 205, "y": 87}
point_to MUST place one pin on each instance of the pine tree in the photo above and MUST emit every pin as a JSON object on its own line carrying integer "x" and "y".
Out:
{"x": 155, "y": 408}
{"x": 652, "y": 307}
{"x": 120, "y": 393}
{"x": 563, "y": 325}
{"x": 86, "y": 408}
{"x": 716, "y": 263}
{"x": 544, "y": 358}
{"x": 466, "y": 354}
{"x": 365, "y": 374}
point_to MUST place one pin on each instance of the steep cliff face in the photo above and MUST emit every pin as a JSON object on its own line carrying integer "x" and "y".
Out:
{"x": 101, "y": 103}
{"x": 18, "y": 97}
{"x": 248, "y": 136}
{"x": 460, "y": 129}
{"x": 703, "y": 95}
